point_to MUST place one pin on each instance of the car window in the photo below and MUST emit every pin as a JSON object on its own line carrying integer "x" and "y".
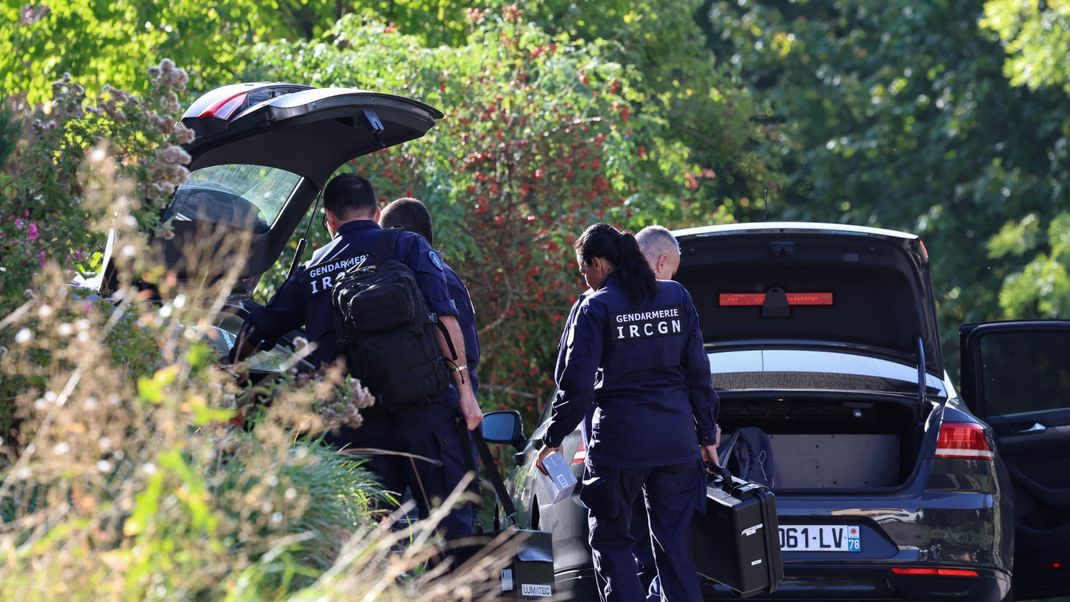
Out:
{"x": 1025, "y": 371}
{"x": 244, "y": 196}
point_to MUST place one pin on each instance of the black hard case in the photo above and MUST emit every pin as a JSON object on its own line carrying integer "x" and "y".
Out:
{"x": 736, "y": 542}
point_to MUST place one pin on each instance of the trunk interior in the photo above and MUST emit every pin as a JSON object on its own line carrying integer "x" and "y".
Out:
{"x": 831, "y": 441}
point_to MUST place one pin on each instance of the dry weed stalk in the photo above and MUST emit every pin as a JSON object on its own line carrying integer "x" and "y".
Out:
{"x": 128, "y": 480}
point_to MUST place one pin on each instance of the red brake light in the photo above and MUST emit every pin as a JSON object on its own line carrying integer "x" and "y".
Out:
{"x": 580, "y": 455}
{"x": 758, "y": 299}
{"x": 963, "y": 441}
{"x": 224, "y": 108}
{"x": 934, "y": 572}
{"x": 1053, "y": 566}
{"x": 742, "y": 299}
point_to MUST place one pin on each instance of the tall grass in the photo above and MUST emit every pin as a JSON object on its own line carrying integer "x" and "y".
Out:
{"x": 132, "y": 476}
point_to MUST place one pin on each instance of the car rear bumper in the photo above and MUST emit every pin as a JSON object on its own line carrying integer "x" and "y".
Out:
{"x": 878, "y": 582}
{"x": 839, "y": 582}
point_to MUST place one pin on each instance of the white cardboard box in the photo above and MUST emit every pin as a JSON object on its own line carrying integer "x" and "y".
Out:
{"x": 560, "y": 479}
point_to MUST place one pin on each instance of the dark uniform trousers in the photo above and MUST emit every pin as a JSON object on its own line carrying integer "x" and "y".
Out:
{"x": 435, "y": 433}
{"x": 672, "y": 494}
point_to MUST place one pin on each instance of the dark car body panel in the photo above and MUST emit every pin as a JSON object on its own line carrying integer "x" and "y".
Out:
{"x": 948, "y": 514}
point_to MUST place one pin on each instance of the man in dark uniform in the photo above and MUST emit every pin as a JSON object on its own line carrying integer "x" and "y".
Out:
{"x": 412, "y": 215}
{"x": 655, "y": 411}
{"x": 427, "y": 430}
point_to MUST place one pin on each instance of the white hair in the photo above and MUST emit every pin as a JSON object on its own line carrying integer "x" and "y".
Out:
{"x": 655, "y": 241}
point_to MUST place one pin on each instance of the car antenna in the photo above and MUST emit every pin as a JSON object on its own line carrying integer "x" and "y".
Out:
{"x": 299, "y": 254}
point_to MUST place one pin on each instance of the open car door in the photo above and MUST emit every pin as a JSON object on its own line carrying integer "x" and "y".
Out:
{"x": 1016, "y": 377}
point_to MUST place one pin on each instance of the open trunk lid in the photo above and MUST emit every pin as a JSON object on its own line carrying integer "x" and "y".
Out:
{"x": 261, "y": 155}
{"x": 814, "y": 286}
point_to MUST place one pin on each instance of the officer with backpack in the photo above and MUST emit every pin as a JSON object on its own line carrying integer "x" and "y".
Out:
{"x": 378, "y": 299}
{"x": 412, "y": 215}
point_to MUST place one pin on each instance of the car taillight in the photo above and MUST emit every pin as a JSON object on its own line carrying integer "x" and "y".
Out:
{"x": 933, "y": 572}
{"x": 224, "y": 108}
{"x": 581, "y": 454}
{"x": 963, "y": 441}
{"x": 758, "y": 299}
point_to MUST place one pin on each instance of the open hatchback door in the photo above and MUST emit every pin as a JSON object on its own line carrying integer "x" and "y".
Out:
{"x": 1016, "y": 377}
{"x": 261, "y": 155}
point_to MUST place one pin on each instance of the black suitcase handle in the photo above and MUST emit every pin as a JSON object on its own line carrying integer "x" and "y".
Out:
{"x": 719, "y": 471}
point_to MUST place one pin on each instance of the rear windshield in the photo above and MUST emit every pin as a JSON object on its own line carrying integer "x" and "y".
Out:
{"x": 860, "y": 304}
{"x": 248, "y": 197}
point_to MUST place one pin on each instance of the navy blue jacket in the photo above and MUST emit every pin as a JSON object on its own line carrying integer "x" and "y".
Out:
{"x": 655, "y": 400}
{"x": 305, "y": 299}
{"x": 466, "y": 319}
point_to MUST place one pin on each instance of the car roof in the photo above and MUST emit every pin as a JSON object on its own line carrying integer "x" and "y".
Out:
{"x": 793, "y": 227}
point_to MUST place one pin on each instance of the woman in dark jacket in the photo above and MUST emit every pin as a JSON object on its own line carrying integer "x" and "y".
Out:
{"x": 634, "y": 350}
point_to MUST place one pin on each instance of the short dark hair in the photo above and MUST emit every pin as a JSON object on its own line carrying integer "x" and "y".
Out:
{"x": 410, "y": 214}
{"x": 349, "y": 193}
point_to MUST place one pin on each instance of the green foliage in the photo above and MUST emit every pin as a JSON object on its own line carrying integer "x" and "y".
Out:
{"x": 1036, "y": 36}
{"x": 896, "y": 114}
{"x": 539, "y": 141}
{"x": 44, "y": 211}
{"x": 1042, "y": 287}
{"x": 101, "y": 42}
{"x": 128, "y": 478}
{"x": 703, "y": 125}
{"x": 545, "y": 134}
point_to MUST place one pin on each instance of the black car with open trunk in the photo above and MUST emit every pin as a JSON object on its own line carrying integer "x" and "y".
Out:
{"x": 893, "y": 485}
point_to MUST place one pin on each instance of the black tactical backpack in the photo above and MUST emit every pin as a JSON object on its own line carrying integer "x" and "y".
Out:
{"x": 386, "y": 331}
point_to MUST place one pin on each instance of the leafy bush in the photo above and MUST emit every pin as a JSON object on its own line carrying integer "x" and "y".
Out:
{"x": 140, "y": 468}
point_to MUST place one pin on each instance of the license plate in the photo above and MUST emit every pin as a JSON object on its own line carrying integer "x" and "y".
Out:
{"x": 820, "y": 538}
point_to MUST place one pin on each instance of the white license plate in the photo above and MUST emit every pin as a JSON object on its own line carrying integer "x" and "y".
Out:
{"x": 820, "y": 538}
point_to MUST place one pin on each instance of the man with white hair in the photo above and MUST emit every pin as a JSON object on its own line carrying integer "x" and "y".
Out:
{"x": 661, "y": 250}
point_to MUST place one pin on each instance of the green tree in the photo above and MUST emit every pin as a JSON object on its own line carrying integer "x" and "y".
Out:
{"x": 897, "y": 114}
{"x": 537, "y": 143}
{"x": 107, "y": 42}
{"x": 1036, "y": 37}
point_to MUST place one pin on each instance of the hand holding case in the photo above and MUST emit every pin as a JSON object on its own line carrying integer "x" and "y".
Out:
{"x": 736, "y": 542}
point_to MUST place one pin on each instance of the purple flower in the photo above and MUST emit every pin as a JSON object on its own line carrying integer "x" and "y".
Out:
{"x": 18, "y": 223}
{"x": 32, "y": 234}
{"x": 41, "y": 255}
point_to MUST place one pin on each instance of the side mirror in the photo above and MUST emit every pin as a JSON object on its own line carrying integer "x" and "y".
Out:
{"x": 504, "y": 426}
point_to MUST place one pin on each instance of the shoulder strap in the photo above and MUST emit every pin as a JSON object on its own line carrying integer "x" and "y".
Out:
{"x": 386, "y": 243}
{"x": 493, "y": 475}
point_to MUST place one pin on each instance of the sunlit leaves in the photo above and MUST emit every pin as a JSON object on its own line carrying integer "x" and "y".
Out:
{"x": 1036, "y": 36}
